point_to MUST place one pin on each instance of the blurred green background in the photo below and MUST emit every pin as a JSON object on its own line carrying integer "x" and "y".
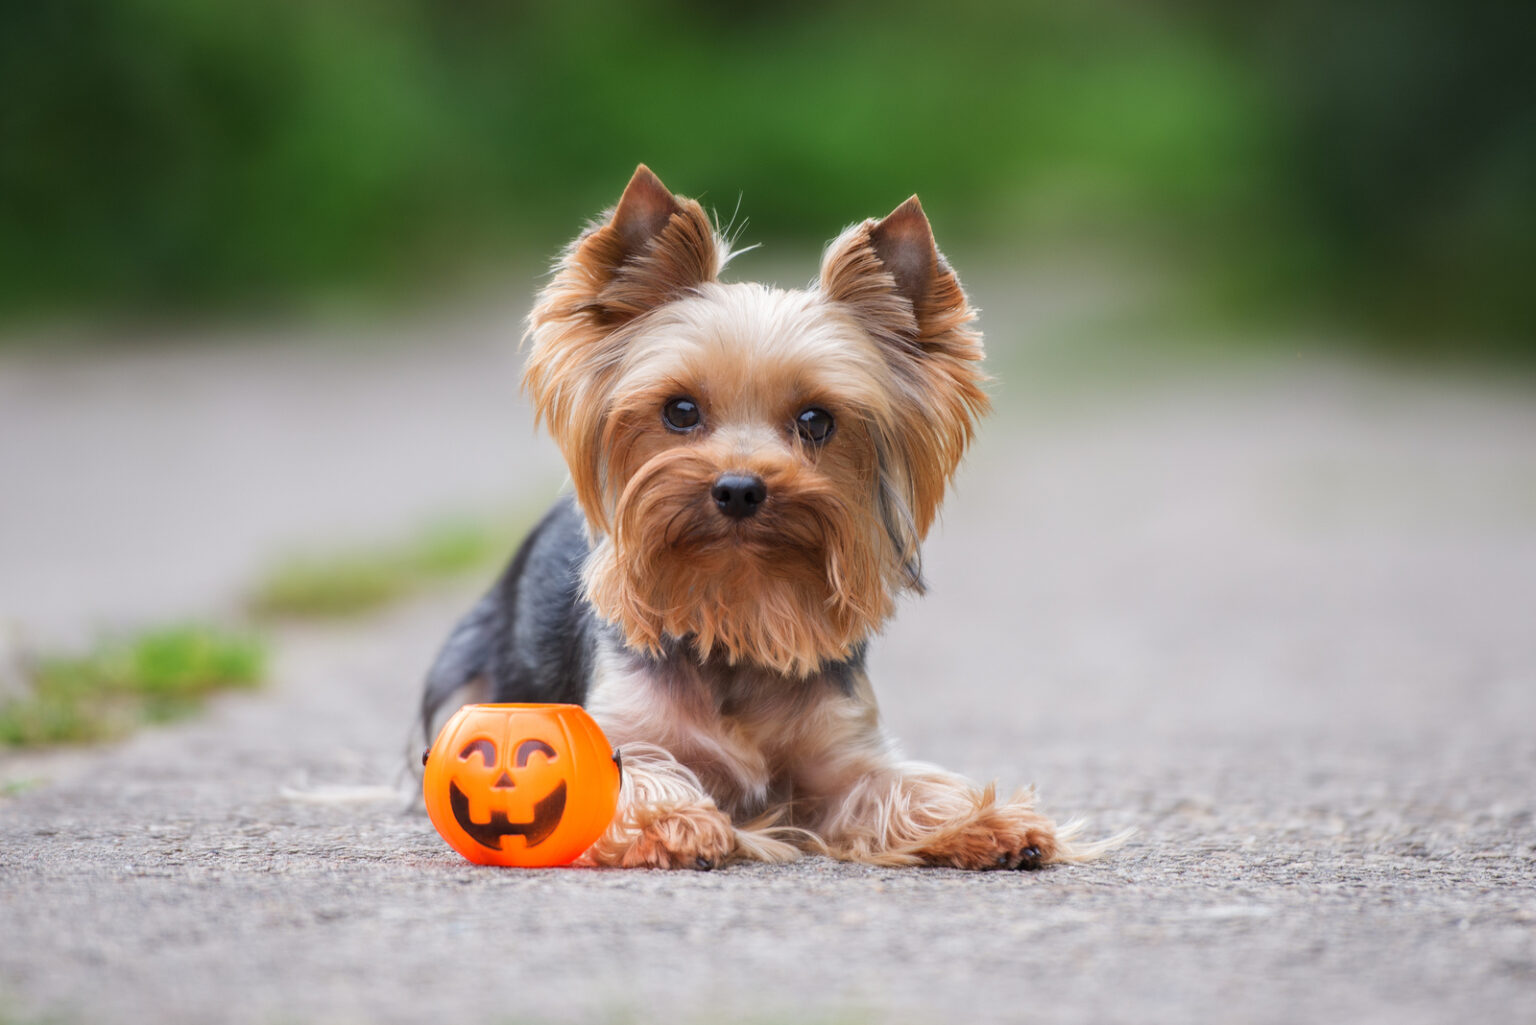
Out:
{"x": 1372, "y": 161}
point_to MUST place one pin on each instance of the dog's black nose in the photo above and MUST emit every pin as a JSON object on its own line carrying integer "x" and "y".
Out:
{"x": 738, "y": 494}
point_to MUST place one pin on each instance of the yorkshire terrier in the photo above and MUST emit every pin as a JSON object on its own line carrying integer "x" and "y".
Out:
{"x": 754, "y": 473}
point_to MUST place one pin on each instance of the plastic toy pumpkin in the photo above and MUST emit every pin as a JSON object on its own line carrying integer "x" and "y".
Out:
{"x": 527, "y": 785}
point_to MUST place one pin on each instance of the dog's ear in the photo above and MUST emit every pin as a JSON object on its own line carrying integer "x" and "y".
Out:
{"x": 904, "y": 243}
{"x": 890, "y": 276}
{"x": 651, "y": 248}
{"x": 643, "y": 211}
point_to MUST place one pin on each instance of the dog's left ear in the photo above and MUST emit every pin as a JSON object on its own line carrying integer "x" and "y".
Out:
{"x": 891, "y": 277}
{"x": 904, "y": 243}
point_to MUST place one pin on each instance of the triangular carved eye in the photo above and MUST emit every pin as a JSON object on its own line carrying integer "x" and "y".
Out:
{"x": 527, "y": 748}
{"x": 485, "y": 747}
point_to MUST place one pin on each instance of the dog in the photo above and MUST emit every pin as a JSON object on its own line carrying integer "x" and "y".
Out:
{"x": 754, "y": 471}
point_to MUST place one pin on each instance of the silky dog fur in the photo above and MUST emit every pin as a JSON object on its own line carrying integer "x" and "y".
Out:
{"x": 754, "y": 473}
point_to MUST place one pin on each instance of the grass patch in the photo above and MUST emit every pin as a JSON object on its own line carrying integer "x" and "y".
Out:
{"x": 15, "y": 788}
{"x": 350, "y": 583}
{"x": 9, "y": 1016}
{"x": 156, "y": 676}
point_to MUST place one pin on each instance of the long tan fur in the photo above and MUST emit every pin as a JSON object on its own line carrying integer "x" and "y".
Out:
{"x": 754, "y": 743}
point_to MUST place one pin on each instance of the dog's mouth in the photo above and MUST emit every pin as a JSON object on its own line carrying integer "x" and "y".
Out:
{"x": 546, "y": 816}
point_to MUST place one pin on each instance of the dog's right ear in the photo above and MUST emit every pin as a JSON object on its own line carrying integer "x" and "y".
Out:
{"x": 643, "y": 211}
{"x": 651, "y": 248}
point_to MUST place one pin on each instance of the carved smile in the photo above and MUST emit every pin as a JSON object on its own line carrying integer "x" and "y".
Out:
{"x": 546, "y": 816}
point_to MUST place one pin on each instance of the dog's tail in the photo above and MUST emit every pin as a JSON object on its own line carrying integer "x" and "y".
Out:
{"x": 465, "y": 660}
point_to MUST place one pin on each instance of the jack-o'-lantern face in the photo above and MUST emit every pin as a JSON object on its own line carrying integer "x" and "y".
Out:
{"x": 547, "y": 810}
{"x": 520, "y": 784}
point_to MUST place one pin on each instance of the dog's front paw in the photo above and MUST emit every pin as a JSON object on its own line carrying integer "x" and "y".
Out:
{"x": 697, "y": 837}
{"x": 1006, "y": 836}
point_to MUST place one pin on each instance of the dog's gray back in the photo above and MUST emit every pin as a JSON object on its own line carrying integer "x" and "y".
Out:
{"x": 531, "y": 637}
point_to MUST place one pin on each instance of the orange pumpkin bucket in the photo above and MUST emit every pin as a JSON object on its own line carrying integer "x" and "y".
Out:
{"x": 526, "y": 785}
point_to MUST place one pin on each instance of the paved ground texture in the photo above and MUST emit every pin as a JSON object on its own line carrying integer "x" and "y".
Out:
{"x": 1280, "y": 617}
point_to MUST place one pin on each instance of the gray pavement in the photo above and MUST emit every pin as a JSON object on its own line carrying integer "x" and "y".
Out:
{"x": 1279, "y": 616}
{"x": 146, "y": 483}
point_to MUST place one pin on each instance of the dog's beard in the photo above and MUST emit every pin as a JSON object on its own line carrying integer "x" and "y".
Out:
{"x": 791, "y": 588}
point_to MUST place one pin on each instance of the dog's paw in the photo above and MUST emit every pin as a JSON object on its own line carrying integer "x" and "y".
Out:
{"x": 1010, "y": 836}
{"x": 696, "y": 837}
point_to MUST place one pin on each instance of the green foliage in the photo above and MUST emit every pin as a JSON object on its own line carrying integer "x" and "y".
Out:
{"x": 1372, "y": 155}
{"x": 354, "y": 582}
{"x": 1407, "y": 160}
{"x": 154, "y": 677}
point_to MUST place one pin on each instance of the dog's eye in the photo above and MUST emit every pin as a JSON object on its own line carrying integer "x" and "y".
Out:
{"x": 681, "y": 414}
{"x": 814, "y": 425}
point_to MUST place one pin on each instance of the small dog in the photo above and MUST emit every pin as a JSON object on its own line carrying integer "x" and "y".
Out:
{"x": 754, "y": 472}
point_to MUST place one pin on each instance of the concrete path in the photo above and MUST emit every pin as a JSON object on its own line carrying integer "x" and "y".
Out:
{"x": 155, "y": 482}
{"x": 1280, "y": 617}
